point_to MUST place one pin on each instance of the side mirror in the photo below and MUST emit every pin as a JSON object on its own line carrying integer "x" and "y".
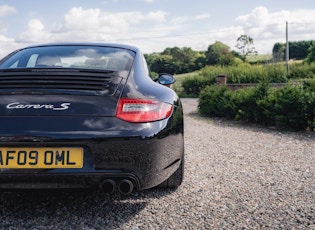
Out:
{"x": 166, "y": 79}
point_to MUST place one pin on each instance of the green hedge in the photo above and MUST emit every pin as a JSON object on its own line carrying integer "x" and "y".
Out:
{"x": 239, "y": 74}
{"x": 193, "y": 85}
{"x": 301, "y": 71}
{"x": 309, "y": 85}
{"x": 290, "y": 108}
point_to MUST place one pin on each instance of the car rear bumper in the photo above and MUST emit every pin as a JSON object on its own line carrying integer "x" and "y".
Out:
{"x": 144, "y": 153}
{"x": 145, "y": 162}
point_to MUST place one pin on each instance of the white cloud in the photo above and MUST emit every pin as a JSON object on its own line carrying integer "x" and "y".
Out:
{"x": 35, "y": 33}
{"x": 154, "y": 31}
{"x": 98, "y": 21}
{"x": 5, "y": 10}
{"x": 268, "y": 28}
{"x": 8, "y": 45}
{"x": 101, "y": 25}
{"x": 258, "y": 17}
{"x": 157, "y": 16}
{"x": 5, "y": 39}
{"x": 202, "y": 16}
{"x": 180, "y": 20}
{"x": 265, "y": 27}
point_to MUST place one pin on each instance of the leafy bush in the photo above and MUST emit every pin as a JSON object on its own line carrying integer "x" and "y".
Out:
{"x": 309, "y": 85}
{"x": 275, "y": 73}
{"x": 213, "y": 101}
{"x": 246, "y": 73}
{"x": 193, "y": 85}
{"x": 290, "y": 108}
{"x": 301, "y": 70}
{"x": 238, "y": 74}
{"x": 240, "y": 104}
{"x": 248, "y": 108}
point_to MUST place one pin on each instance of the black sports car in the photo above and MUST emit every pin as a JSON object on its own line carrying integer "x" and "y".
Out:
{"x": 87, "y": 116}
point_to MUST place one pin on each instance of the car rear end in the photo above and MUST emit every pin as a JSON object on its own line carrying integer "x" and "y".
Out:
{"x": 69, "y": 122}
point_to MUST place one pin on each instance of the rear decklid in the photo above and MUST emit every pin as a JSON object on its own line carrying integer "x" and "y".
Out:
{"x": 53, "y": 92}
{"x": 64, "y": 79}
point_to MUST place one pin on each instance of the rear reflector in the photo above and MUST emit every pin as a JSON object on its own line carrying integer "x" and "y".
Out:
{"x": 138, "y": 110}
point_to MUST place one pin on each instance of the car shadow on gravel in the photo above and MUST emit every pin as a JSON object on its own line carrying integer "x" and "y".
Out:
{"x": 71, "y": 209}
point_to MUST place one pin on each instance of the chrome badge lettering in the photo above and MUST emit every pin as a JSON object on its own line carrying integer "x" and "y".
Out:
{"x": 17, "y": 105}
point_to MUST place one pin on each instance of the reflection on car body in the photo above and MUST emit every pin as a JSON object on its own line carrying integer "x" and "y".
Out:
{"x": 87, "y": 115}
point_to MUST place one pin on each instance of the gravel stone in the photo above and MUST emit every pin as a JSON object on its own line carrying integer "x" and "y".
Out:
{"x": 237, "y": 176}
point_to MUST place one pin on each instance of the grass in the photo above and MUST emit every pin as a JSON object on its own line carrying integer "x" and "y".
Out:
{"x": 259, "y": 58}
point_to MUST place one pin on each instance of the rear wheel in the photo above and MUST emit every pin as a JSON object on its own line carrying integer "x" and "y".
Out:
{"x": 175, "y": 179}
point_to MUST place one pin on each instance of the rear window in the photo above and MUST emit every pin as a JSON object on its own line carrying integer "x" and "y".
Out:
{"x": 85, "y": 57}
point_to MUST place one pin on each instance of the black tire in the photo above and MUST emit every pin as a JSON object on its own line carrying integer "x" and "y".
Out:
{"x": 175, "y": 179}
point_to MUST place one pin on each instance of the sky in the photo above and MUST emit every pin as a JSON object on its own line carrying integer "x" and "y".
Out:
{"x": 153, "y": 25}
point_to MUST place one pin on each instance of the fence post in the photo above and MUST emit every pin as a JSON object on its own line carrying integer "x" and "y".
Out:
{"x": 221, "y": 79}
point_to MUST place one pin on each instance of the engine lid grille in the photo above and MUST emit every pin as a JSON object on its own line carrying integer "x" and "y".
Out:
{"x": 60, "y": 81}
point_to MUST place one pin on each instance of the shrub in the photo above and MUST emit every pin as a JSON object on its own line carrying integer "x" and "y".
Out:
{"x": 293, "y": 108}
{"x": 212, "y": 101}
{"x": 250, "y": 109}
{"x": 300, "y": 70}
{"x": 290, "y": 108}
{"x": 246, "y": 73}
{"x": 240, "y": 74}
{"x": 240, "y": 104}
{"x": 275, "y": 73}
{"x": 193, "y": 85}
{"x": 309, "y": 85}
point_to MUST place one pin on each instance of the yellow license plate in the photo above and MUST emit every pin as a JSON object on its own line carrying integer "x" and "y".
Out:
{"x": 21, "y": 158}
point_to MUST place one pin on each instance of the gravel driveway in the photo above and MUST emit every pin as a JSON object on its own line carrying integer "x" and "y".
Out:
{"x": 237, "y": 177}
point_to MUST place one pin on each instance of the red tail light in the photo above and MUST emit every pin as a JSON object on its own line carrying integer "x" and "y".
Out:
{"x": 137, "y": 110}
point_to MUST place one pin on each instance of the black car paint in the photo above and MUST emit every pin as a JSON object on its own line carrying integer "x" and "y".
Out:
{"x": 145, "y": 153}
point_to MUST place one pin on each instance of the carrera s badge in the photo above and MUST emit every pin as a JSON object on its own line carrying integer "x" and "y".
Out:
{"x": 17, "y": 105}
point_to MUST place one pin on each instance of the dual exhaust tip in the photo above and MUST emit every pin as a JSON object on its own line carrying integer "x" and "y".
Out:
{"x": 124, "y": 186}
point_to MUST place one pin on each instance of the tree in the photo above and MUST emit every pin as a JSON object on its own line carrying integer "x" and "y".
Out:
{"x": 175, "y": 60}
{"x": 184, "y": 58}
{"x": 219, "y": 54}
{"x": 298, "y": 50}
{"x": 161, "y": 63}
{"x": 311, "y": 54}
{"x": 200, "y": 61}
{"x": 278, "y": 52}
{"x": 246, "y": 46}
